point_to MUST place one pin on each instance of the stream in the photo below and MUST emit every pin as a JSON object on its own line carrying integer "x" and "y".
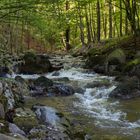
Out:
{"x": 98, "y": 115}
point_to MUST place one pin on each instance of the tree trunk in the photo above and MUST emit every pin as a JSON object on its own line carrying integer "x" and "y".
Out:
{"x": 88, "y": 27}
{"x": 110, "y": 18}
{"x": 98, "y": 22}
{"x": 67, "y": 34}
{"x": 120, "y": 17}
{"x": 82, "y": 36}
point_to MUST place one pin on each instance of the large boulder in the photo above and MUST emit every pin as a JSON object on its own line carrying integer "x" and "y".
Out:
{"x": 10, "y": 98}
{"x": 4, "y": 72}
{"x": 35, "y": 64}
{"x": 39, "y": 87}
{"x": 2, "y": 112}
{"x": 5, "y": 137}
{"x": 16, "y": 130}
{"x": 43, "y": 82}
{"x": 25, "y": 119}
{"x": 99, "y": 83}
{"x": 56, "y": 124}
{"x": 127, "y": 89}
{"x": 61, "y": 90}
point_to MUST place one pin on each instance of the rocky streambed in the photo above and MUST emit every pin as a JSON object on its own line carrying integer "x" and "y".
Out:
{"x": 70, "y": 103}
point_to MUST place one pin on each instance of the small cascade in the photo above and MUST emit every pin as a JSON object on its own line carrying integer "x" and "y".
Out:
{"x": 67, "y": 61}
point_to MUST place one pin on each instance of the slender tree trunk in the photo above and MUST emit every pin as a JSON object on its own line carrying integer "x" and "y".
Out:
{"x": 82, "y": 36}
{"x": 110, "y": 18}
{"x": 98, "y": 22}
{"x": 126, "y": 25}
{"x": 90, "y": 23}
{"x": 120, "y": 17}
{"x": 67, "y": 34}
{"x": 104, "y": 19}
{"x": 88, "y": 26}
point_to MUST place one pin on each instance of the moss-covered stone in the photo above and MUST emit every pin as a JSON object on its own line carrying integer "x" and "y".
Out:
{"x": 43, "y": 82}
{"x": 35, "y": 64}
{"x": 25, "y": 119}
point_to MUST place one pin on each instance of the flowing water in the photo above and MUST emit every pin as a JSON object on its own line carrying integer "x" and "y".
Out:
{"x": 102, "y": 117}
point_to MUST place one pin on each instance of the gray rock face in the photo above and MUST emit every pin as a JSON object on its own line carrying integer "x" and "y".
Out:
{"x": 61, "y": 90}
{"x": 15, "y": 129}
{"x": 1, "y": 88}
{"x": 43, "y": 82}
{"x": 35, "y": 64}
{"x": 47, "y": 115}
{"x": 127, "y": 89}
{"x": 39, "y": 132}
{"x": 2, "y": 112}
{"x": 4, "y": 137}
{"x": 9, "y": 95}
{"x": 54, "y": 122}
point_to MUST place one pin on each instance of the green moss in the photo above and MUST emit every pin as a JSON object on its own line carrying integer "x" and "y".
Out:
{"x": 131, "y": 64}
{"x": 117, "y": 54}
{"x": 30, "y": 57}
{"x": 3, "y": 101}
{"x": 4, "y": 129}
{"x": 26, "y": 123}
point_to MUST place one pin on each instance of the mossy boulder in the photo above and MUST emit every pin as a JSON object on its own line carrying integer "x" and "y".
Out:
{"x": 4, "y": 128}
{"x": 25, "y": 119}
{"x": 132, "y": 67}
{"x": 5, "y": 137}
{"x": 43, "y": 82}
{"x": 11, "y": 95}
{"x": 116, "y": 56}
{"x": 99, "y": 83}
{"x": 61, "y": 90}
{"x": 2, "y": 112}
{"x": 38, "y": 132}
{"x": 30, "y": 57}
{"x": 39, "y": 86}
{"x": 35, "y": 64}
{"x": 127, "y": 89}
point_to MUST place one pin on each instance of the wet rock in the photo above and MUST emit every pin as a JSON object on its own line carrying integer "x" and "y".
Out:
{"x": 56, "y": 73}
{"x": 43, "y": 82}
{"x": 39, "y": 132}
{"x": 1, "y": 88}
{"x": 63, "y": 79}
{"x": 4, "y": 71}
{"x": 99, "y": 69}
{"x": 15, "y": 129}
{"x": 47, "y": 115}
{"x": 2, "y": 112}
{"x": 35, "y": 64}
{"x": 99, "y": 83}
{"x": 9, "y": 95}
{"x": 55, "y": 124}
{"x": 61, "y": 90}
{"x": 9, "y": 115}
{"x": 37, "y": 91}
{"x": 40, "y": 86}
{"x": 79, "y": 90}
{"x": 19, "y": 79}
{"x": 5, "y": 137}
{"x": 128, "y": 89}
{"x": 25, "y": 119}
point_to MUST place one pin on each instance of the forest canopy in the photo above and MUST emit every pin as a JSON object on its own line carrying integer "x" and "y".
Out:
{"x": 65, "y": 24}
